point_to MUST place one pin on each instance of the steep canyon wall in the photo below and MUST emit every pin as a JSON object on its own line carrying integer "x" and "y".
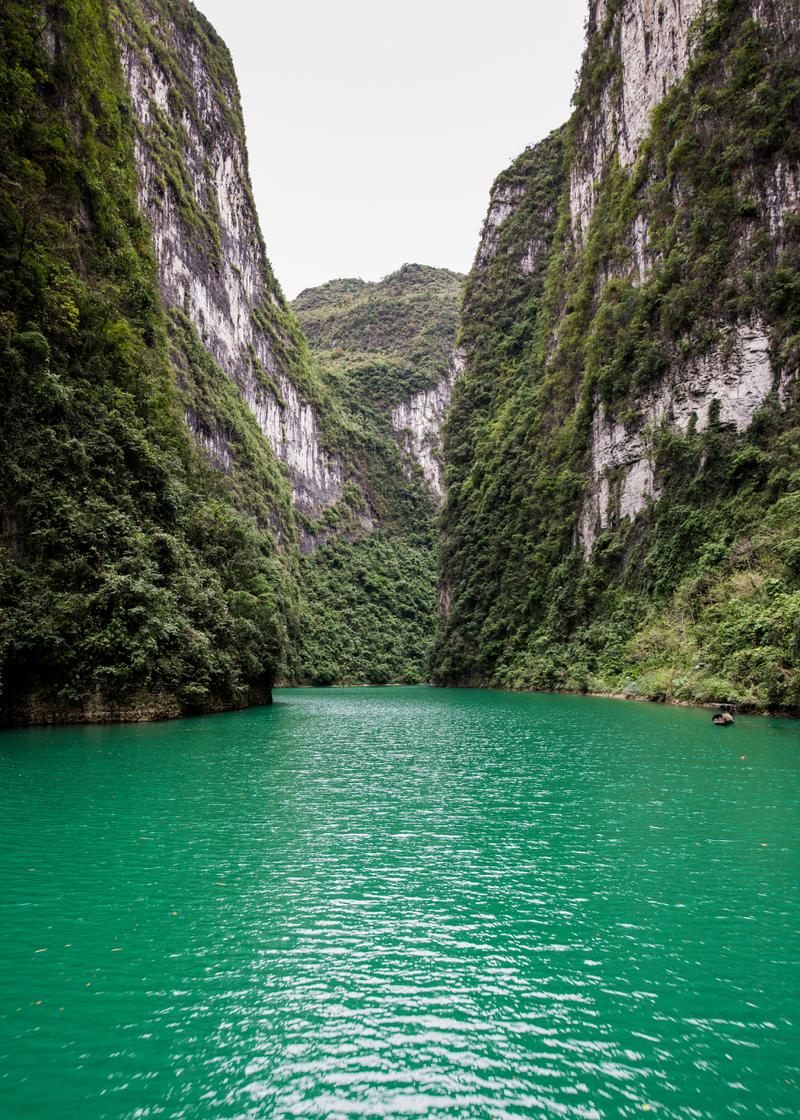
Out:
{"x": 623, "y": 431}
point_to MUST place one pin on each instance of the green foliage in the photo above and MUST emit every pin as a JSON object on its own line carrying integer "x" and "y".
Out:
{"x": 128, "y": 567}
{"x": 661, "y": 608}
{"x": 367, "y": 611}
{"x": 386, "y": 340}
{"x": 601, "y": 66}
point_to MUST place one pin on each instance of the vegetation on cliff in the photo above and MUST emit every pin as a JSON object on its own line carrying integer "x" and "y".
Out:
{"x": 130, "y": 570}
{"x": 698, "y": 596}
{"x": 149, "y": 553}
{"x": 380, "y": 343}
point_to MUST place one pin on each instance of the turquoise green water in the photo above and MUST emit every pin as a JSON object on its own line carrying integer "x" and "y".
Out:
{"x": 402, "y": 902}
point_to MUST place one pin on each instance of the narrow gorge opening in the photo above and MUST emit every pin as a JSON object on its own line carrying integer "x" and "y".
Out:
{"x": 575, "y": 469}
{"x": 386, "y": 356}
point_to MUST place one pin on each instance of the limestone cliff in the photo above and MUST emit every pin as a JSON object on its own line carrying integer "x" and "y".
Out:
{"x": 737, "y": 374}
{"x": 619, "y": 438}
{"x": 419, "y": 422}
{"x": 641, "y": 49}
{"x": 194, "y": 190}
{"x": 652, "y": 44}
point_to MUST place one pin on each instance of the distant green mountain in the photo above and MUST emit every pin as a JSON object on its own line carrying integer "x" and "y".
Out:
{"x": 380, "y": 343}
{"x": 385, "y": 355}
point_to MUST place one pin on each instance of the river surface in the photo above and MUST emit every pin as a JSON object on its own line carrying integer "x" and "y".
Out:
{"x": 402, "y": 902}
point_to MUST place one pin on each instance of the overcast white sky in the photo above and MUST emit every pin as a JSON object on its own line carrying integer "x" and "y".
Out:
{"x": 375, "y": 128}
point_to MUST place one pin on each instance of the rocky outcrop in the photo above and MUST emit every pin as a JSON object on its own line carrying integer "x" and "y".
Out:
{"x": 782, "y": 197}
{"x": 34, "y": 709}
{"x": 213, "y": 444}
{"x": 649, "y": 41}
{"x": 503, "y": 202}
{"x": 419, "y": 421}
{"x": 293, "y": 430}
{"x": 194, "y": 189}
{"x": 736, "y": 376}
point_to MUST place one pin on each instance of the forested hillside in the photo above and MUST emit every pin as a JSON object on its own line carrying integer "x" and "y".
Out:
{"x": 623, "y": 509}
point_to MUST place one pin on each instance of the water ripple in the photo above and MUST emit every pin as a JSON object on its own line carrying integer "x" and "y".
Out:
{"x": 402, "y": 903}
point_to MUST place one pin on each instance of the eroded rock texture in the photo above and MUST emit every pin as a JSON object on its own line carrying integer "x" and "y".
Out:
{"x": 194, "y": 188}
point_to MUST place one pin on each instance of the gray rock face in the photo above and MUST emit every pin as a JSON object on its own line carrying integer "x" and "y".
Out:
{"x": 651, "y": 42}
{"x": 737, "y": 374}
{"x": 418, "y": 422}
{"x": 211, "y": 258}
{"x": 782, "y": 197}
{"x": 654, "y": 51}
{"x": 503, "y": 202}
{"x": 654, "y": 43}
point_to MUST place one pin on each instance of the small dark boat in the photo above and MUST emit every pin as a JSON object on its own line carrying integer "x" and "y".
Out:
{"x": 725, "y": 716}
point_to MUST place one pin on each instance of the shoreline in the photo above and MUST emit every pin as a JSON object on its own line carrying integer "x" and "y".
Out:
{"x": 164, "y": 709}
{"x": 708, "y": 705}
{"x": 33, "y": 711}
{"x": 673, "y": 702}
